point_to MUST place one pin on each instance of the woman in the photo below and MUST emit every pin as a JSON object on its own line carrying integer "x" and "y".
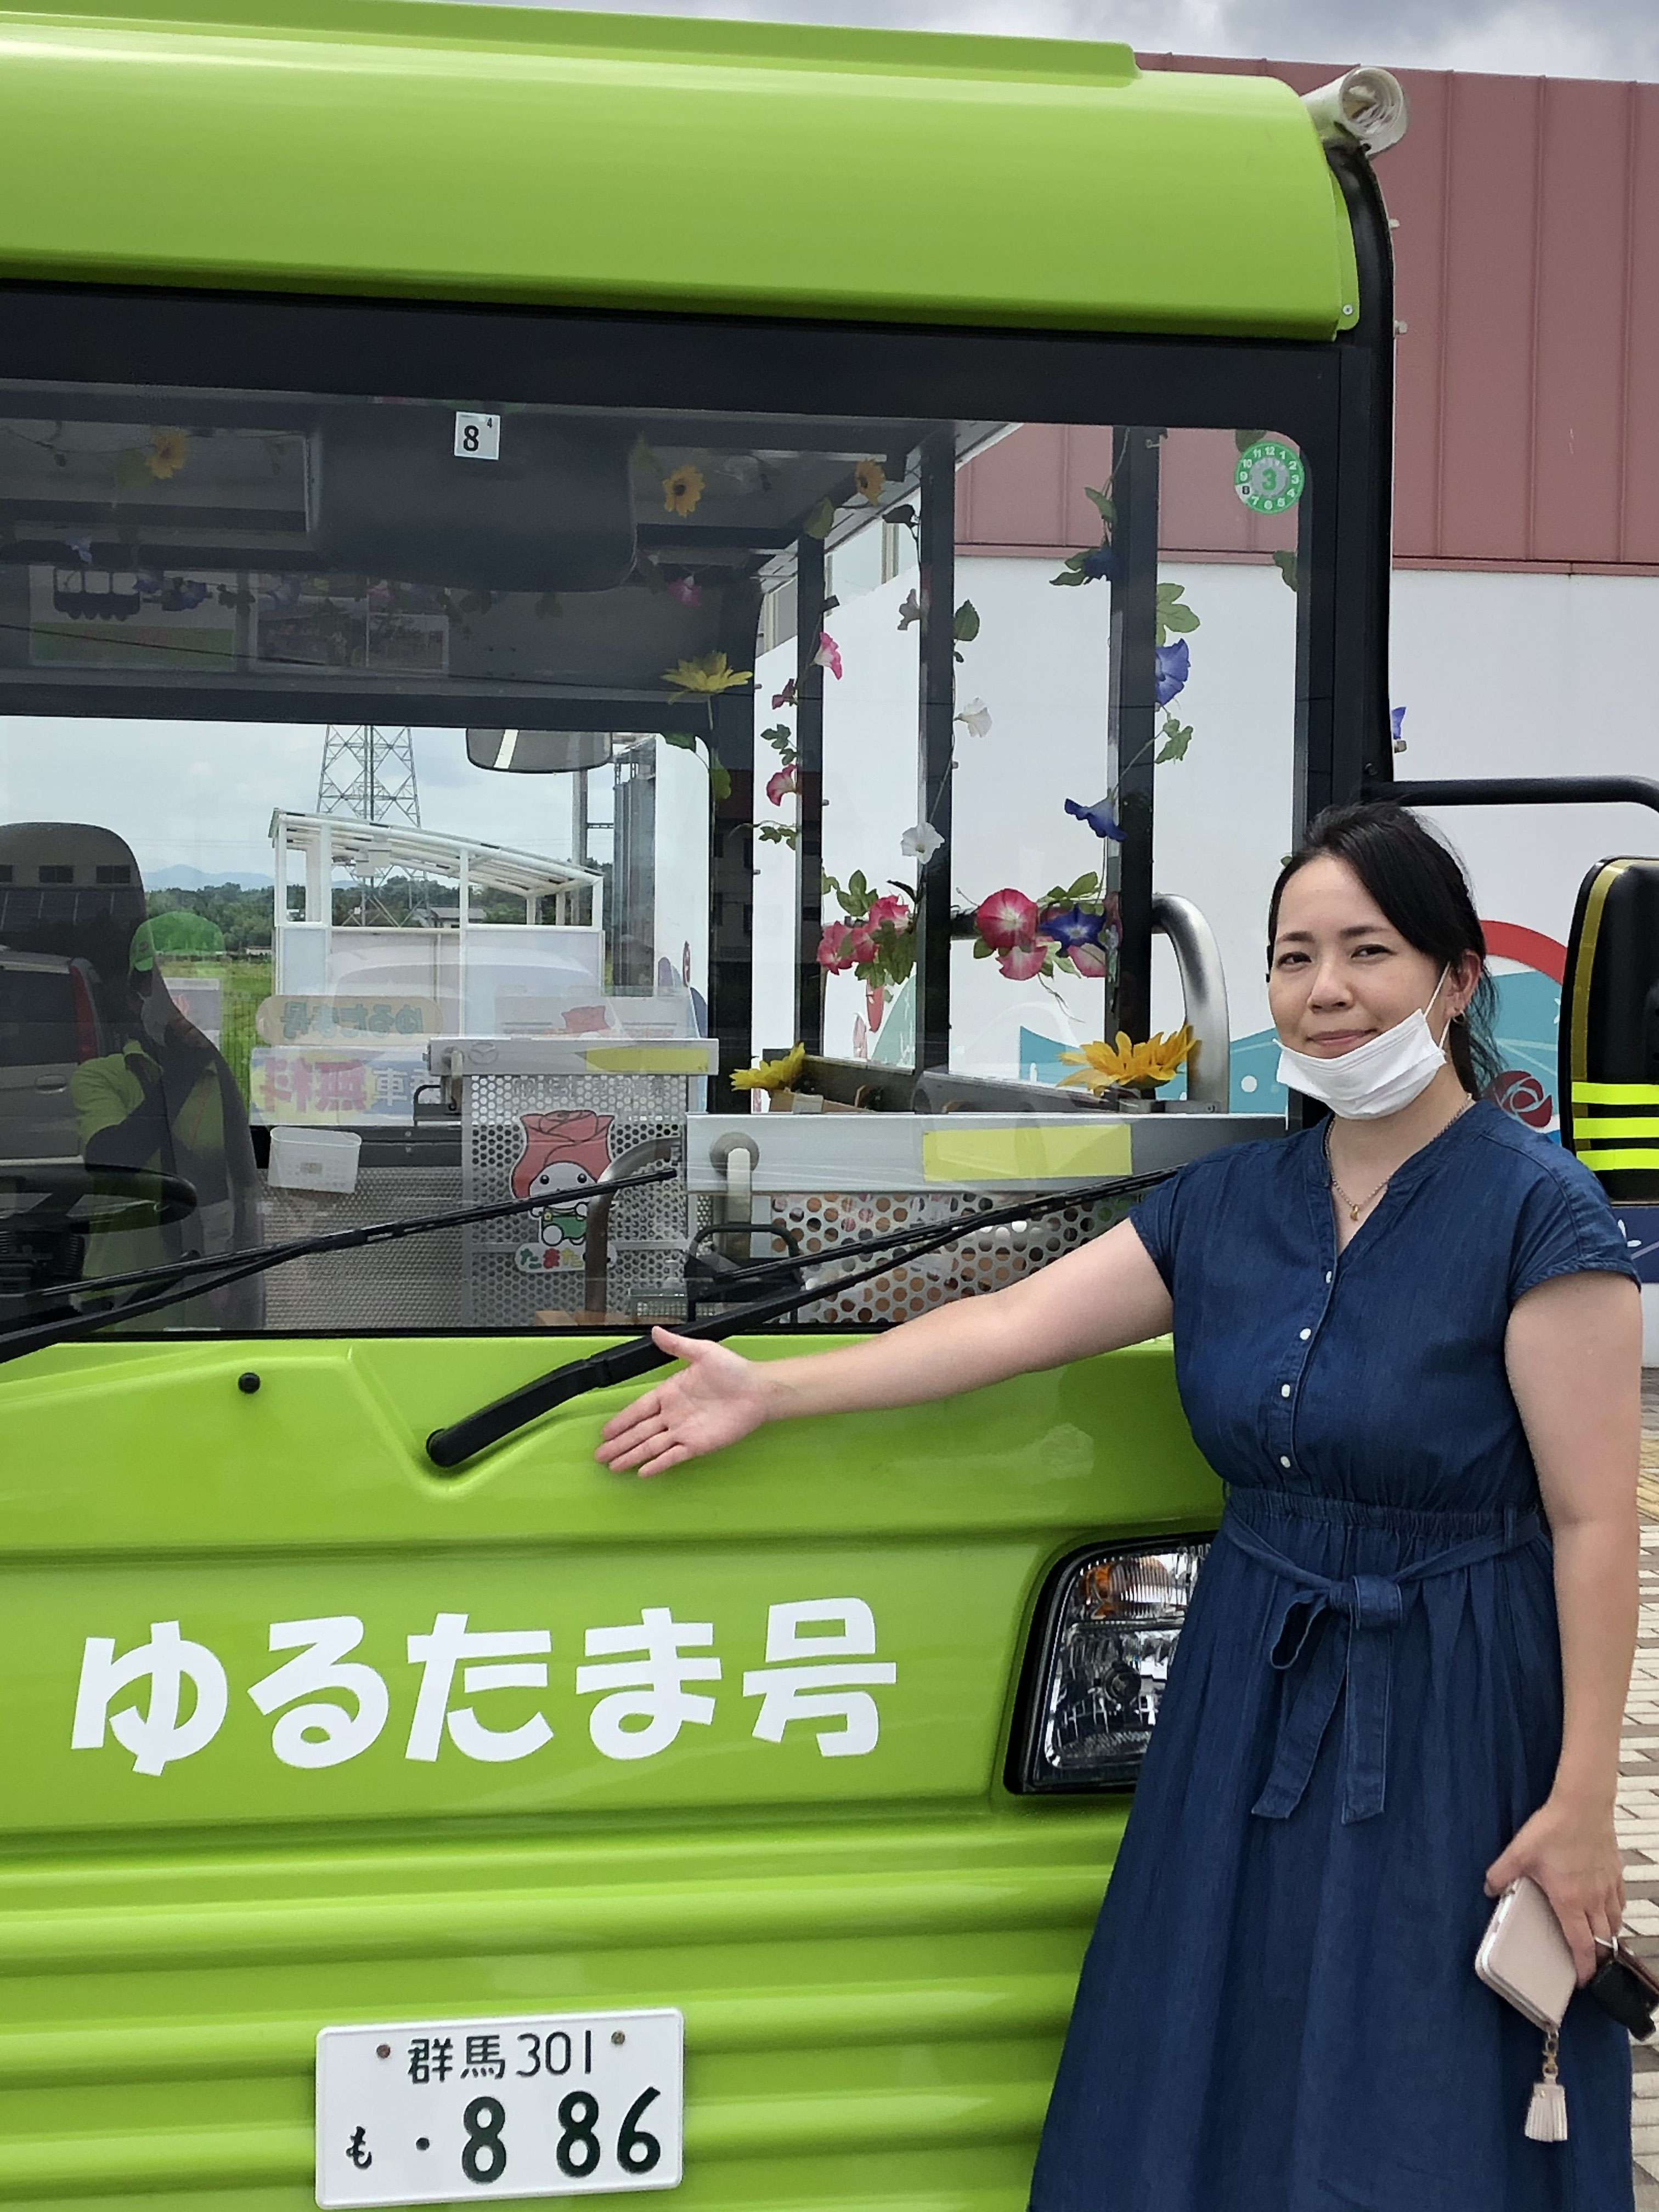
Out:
{"x": 1409, "y": 1340}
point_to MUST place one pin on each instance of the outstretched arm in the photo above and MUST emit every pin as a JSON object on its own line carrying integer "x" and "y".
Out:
{"x": 1574, "y": 1353}
{"x": 1105, "y": 1295}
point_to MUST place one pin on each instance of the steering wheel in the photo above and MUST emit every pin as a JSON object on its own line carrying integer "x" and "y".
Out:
{"x": 54, "y": 1195}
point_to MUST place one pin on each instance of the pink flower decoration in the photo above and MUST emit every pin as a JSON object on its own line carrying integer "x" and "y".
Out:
{"x": 686, "y": 590}
{"x": 888, "y": 909}
{"x": 834, "y": 956}
{"x": 787, "y": 697}
{"x": 844, "y": 945}
{"x": 875, "y": 1003}
{"x": 1088, "y": 959}
{"x": 779, "y": 786}
{"x": 1006, "y": 919}
{"x": 1021, "y": 962}
{"x": 828, "y": 654}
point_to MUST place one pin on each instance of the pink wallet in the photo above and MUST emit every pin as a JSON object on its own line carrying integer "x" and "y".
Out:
{"x": 1526, "y": 1959}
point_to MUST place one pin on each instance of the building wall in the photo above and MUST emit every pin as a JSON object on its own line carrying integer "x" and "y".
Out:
{"x": 1526, "y": 262}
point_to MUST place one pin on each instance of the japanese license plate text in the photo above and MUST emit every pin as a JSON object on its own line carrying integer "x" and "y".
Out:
{"x": 554, "y": 2104}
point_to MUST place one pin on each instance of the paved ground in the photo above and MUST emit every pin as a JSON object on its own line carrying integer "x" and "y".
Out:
{"x": 1638, "y": 1798}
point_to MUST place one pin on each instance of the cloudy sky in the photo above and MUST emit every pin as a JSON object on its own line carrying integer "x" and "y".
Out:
{"x": 1557, "y": 38}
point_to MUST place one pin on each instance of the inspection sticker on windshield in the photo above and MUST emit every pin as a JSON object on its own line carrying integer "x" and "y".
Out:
{"x": 554, "y": 2105}
{"x": 1270, "y": 476}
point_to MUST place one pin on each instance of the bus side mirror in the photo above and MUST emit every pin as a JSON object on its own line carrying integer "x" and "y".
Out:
{"x": 1609, "y": 1035}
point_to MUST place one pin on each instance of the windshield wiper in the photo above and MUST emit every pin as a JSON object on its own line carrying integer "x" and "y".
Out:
{"x": 197, "y": 1277}
{"x": 449, "y": 1448}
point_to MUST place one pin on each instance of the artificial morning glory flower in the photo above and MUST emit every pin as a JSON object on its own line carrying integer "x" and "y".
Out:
{"x": 1100, "y": 818}
{"x": 1174, "y": 664}
{"x": 1006, "y": 919}
{"x": 1021, "y": 962}
{"x": 1071, "y": 926}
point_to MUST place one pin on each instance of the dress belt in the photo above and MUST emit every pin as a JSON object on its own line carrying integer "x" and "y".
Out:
{"x": 1356, "y": 1656}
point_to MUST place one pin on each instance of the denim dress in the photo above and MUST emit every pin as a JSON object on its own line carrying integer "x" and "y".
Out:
{"x": 1279, "y": 2011}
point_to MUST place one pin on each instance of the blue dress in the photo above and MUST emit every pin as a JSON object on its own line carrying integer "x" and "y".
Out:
{"x": 1278, "y": 2012}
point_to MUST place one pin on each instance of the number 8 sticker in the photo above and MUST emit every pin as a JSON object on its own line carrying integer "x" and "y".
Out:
{"x": 478, "y": 437}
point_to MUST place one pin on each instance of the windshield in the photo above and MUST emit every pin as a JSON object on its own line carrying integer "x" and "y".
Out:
{"x": 409, "y": 805}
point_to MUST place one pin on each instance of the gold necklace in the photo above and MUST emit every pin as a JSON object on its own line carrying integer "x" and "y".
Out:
{"x": 1357, "y": 1206}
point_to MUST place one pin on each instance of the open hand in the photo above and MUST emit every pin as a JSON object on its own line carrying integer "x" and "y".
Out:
{"x": 717, "y": 1397}
{"x": 1573, "y": 1855}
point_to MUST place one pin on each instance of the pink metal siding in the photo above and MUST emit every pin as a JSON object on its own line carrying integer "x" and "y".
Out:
{"x": 1527, "y": 426}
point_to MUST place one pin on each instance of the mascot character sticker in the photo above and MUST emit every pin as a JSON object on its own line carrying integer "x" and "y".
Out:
{"x": 564, "y": 1156}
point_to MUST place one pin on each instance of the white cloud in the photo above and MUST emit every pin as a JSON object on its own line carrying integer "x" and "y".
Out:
{"x": 1559, "y": 38}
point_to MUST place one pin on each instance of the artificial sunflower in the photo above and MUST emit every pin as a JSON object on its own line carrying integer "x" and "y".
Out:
{"x": 773, "y": 1074}
{"x": 1126, "y": 1066}
{"x": 168, "y": 452}
{"x": 871, "y": 477}
{"x": 707, "y": 674}
{"x": 682, "y": 488}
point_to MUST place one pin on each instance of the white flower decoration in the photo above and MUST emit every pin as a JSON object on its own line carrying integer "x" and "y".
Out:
{"x": 974, "y": 718}
{"x": 921, "y": 842}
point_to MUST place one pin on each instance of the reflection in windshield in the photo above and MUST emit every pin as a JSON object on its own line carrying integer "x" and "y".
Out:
{"x": 102, "y": 1064}
{"x": 622, "y": 735}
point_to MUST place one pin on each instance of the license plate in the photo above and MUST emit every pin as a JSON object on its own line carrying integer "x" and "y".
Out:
{"x": 550, "y": 2105}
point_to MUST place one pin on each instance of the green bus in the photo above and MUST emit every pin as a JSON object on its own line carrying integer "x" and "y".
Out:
{"x": 400, "y": 1808}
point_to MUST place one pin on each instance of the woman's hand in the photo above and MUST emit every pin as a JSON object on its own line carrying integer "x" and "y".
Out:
{"x": 1570, "y": 1851}
{"x": 718, "y": 1397}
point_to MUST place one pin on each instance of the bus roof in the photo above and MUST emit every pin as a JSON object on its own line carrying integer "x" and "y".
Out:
{"x": 415, "y": 148}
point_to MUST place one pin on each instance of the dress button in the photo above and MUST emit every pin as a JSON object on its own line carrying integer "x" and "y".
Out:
{"x": 1327, "y": 1274}
{"x": 1306, "y": 1334}
{"x": 1283, "y": 1462}
{"x": 1284, "y": 1389}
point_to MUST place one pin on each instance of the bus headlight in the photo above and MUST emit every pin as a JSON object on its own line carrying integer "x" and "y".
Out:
{"x": 1101, "y": 1657}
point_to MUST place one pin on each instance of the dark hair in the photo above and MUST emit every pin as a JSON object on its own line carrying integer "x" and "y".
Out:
{"x": 1421, "y": 888}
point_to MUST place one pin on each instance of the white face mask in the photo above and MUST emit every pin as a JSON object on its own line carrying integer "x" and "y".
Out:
{"x": 1379, "y": 1076}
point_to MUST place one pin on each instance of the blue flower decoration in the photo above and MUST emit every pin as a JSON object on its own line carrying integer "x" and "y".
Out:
{"x": 1097, "y": 562}
{"x": 1174, "y": 664}
{"x": 1075, "y": 927}
{"x": 1397, "y": 723}
{"x": 1099, "y": 818}
{"x": 284, "y": 595}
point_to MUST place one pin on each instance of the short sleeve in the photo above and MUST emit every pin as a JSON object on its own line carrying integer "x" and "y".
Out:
{"x": 1157, "y": 1220}
{"x": 1566, "y": 1227}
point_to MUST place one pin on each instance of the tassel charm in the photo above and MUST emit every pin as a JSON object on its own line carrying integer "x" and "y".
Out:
{"x": 1546, "y": 2115}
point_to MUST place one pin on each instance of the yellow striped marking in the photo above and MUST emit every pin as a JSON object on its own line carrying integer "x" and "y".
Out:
{"x": 1615, "y": 1125}
{"x": 1615, "y": 1094}
{"x": 1604, "y": 1161}
{"x": 1584, "y": 968}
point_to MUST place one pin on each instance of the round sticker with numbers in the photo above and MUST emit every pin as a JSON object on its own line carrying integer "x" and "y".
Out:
{"x": 1269, "y": 477}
